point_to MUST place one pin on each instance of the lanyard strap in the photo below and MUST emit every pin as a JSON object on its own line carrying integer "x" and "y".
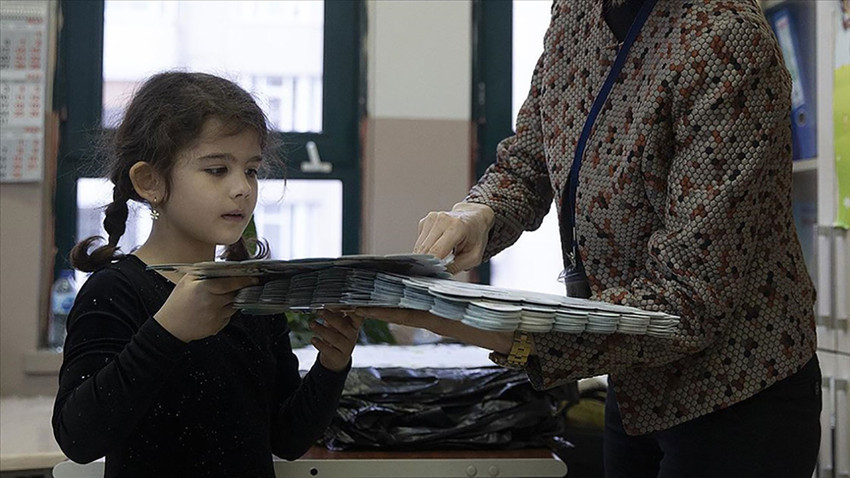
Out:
{"x": 598, "y": 103}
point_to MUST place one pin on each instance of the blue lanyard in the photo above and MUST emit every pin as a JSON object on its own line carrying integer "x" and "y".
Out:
{"x": 598, "y": 103}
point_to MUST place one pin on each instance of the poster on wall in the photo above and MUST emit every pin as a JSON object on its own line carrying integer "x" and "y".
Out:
{"x": 841, "y": 116}
{"x": 23, "y": 70}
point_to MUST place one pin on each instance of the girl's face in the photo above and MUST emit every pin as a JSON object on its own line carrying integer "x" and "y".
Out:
{"x": 213, "y": 189}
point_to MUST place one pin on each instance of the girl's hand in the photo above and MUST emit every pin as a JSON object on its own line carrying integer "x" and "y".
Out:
{"x": 335, "y": 338}
{"x": 198, "y": 308}
{"x": 465, "y": 230}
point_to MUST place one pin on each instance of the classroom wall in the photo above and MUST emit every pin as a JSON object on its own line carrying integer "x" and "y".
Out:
{"x": 22, "y": 227}
{"x": 26, "y": 251}
{"x": 417, "y": 154}
{"x": 416, "y": 159}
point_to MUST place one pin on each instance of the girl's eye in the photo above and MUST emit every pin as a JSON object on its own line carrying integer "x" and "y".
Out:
{"x": 220, "y": 171}
{"x": 252, "y": 172}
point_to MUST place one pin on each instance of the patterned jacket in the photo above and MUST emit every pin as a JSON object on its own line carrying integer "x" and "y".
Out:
{"x": 683, "y": 204}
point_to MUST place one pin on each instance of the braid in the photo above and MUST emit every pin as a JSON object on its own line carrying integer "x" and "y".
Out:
{"x": 115, "y": 223}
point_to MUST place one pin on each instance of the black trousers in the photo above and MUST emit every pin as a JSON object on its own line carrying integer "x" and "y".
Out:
{"x": 775, "y": 434}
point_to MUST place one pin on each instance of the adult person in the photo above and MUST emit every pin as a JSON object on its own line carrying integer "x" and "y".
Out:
{"x": 681, "y": 204}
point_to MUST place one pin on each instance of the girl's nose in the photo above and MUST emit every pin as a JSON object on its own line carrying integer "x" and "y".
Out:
{"x": 242, "y": 186}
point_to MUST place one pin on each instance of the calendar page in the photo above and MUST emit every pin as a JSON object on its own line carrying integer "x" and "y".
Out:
{"x": 23, "y": 70}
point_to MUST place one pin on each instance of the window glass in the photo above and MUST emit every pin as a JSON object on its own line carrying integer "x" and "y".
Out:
{"x": 273, "y": 49}
{"x": 534, "y": 261}
{"x": 530, "y": 19}
{"x": 298, "y": 218}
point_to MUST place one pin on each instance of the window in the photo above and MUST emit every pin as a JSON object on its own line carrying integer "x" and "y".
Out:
{"x": 530, "y": 18}
{"x": 230, "y": 39}
{"x": 534, "y": 261}
{"x": 283, "y": 52}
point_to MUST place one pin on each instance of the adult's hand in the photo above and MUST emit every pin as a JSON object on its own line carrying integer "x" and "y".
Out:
{"x": 335, "y": 338}
{"x": 198, "y": 308}
{"x": 498, "y": 341}
{"x": 464, "y": 230}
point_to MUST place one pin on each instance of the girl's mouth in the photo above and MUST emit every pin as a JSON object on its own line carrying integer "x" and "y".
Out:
{"x": 233, "y": 216}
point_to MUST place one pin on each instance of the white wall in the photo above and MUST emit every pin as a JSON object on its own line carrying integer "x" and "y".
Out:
{"x": 420, "y": 59}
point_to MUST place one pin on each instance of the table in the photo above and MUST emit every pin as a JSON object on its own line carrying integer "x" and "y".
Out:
{"x": 322, "y": 463}
{"x": 27, "y": 437}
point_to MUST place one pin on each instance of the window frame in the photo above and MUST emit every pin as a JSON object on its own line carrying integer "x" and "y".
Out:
{"x": 492, "y": 80}
{"x": 78, "y": 95}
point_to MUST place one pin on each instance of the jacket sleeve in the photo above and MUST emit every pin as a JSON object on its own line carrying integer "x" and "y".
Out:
{"x": 115, "y": 358}
{"x": 729, "y": 173}
{"x": 305, "y": 406}
{"x": 517, "y": 185}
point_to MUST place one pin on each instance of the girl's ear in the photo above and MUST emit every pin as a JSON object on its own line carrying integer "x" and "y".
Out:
{"x": 147, "y": 182}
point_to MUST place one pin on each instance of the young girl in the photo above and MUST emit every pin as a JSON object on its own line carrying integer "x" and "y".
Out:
{"x": 160, "y": 375}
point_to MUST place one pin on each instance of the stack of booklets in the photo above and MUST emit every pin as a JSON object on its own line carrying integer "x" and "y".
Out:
{"x": 420, "y": 282}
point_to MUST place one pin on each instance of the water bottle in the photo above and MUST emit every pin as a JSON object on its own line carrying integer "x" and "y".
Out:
{"x": 62, "y": 296}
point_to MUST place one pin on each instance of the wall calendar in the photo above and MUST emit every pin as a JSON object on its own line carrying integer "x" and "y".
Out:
{"x": 23, "y": 80}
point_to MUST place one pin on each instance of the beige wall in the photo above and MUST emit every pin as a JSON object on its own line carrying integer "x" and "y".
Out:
{"x": 22, "y": 226}
{"x": 413, "y": 166}
{"x": 416, "y": 159}
{"x": 417, "y": 154}
{"x": 26, "y": 265}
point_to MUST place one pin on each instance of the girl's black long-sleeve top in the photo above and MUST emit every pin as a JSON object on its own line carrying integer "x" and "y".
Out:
{"x": 155, "y": 406}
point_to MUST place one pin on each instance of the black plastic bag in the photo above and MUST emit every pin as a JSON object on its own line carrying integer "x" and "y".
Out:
{"x": 447, "y": 408}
